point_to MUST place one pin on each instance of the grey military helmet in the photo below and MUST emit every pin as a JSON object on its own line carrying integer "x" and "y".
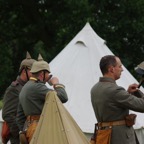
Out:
{"x": 40, "y": 65}
{"x": 27, "y": 63}
{"x": 140, "y": 68}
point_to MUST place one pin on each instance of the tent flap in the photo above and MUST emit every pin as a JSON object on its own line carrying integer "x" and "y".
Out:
{"x": 56, "y": 125}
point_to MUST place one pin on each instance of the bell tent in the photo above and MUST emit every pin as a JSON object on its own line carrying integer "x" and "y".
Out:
{"x": 77, "y": 67}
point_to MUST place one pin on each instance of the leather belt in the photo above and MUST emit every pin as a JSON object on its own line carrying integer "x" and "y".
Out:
{"x": 33, "y": 118}
{"x": 113, "y": 123}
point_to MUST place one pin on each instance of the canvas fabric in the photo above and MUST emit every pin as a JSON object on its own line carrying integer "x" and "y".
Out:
{"x": 56, "y": 125}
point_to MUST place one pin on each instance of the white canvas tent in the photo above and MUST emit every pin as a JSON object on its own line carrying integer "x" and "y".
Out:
{"x": 77, "y": 67}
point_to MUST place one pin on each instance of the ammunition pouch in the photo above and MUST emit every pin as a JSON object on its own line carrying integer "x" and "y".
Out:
{"x": 130, "y": 119}
{"x": 103, "y": 130}
{"x": 5, "y": 134}
{"x": 101, "y": 136}
{"x": 32, "y": 122}
{"x": 29, "y": 129}
{"x": 104, "y": 136}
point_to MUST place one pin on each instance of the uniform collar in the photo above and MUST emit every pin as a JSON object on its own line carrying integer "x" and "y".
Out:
{"x": 106, "y": 79}
{"x": 19, "y": 80}
{"x": 34, "y": 79}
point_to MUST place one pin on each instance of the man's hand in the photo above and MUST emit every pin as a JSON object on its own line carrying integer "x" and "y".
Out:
{"x": 132, "y": 88}
{"x": 54, "y": 80}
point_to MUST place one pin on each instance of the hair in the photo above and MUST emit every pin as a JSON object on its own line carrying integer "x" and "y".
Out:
{"x": 106, "y": 61}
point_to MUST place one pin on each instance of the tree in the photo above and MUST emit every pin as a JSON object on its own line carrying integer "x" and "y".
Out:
{"x": 46, "y": 26}
{"x": 37, "y": 26}
{"x": 120, "y": 23}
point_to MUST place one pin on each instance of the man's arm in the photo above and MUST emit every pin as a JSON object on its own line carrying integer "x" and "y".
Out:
{"x": 20, "y": 118}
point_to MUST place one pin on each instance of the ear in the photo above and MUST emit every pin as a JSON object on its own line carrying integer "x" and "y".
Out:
{"x": 111, "y": 69}
{"x": 41, "y": 74}
{"x": 23, "y": 71}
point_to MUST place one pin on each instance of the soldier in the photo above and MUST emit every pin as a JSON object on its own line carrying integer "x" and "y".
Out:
{"x": 11, "y": 98}
{"x": 140, "y": 70}
{"x": 32, "y": 97}
{"x": 111, "y": 104}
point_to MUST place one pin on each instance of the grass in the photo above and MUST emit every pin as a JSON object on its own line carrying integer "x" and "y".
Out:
{"x": 1, "y": 104}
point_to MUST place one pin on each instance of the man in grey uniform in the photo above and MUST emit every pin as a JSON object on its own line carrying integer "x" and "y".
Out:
{"x": 11, "y": 98}
{"x": 32, "y": 96}
{"x": 111, "y": 103}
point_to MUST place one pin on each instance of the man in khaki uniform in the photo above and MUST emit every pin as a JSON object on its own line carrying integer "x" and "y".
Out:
{"x": 111, "y": 103}
{"x": 11, "y": 98}
{"x": 32, "y": 96}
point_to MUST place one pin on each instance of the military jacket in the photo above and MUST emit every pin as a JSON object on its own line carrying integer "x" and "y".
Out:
{"x": 11, "y": 100}
{"x": 111, "y": 103}
{"x": 32, "y": 99}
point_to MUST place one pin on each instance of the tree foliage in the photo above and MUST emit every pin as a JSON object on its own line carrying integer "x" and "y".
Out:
{"x": 37, "y": 26}
{"x": 121, "y": 23}
{"x": 46, "y": 26}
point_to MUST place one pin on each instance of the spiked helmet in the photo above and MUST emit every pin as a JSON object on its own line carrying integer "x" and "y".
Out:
{"x": 40, "y": 65}
{"x": 27, "y": 63}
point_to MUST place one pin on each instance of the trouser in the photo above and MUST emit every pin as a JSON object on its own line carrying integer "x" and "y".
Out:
{"x": 14, "y": 133}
